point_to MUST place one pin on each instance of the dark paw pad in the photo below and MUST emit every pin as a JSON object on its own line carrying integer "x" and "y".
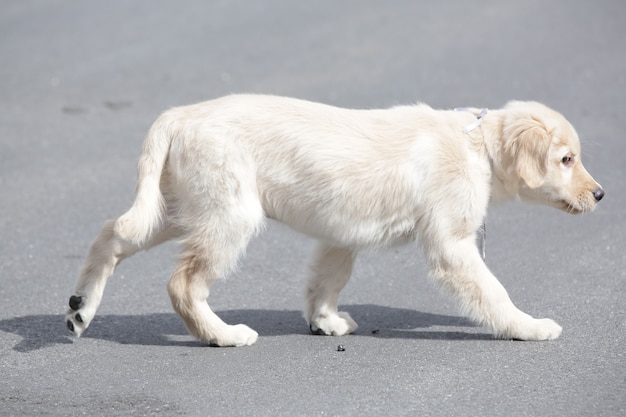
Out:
{"x": 78, "y": 318}
{"x": 70, "y": 325}
{"x": 317, "y": 331}
{"x": 75, "y": 302}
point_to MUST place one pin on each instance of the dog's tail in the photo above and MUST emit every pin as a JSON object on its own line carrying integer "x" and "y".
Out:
{"x": 146, "y": 214}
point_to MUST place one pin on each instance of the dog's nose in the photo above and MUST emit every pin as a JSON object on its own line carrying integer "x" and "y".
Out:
{"x": 598, "y": 194}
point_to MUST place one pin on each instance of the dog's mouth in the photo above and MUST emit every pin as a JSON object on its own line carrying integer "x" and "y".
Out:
{"x": 573, "y": 208}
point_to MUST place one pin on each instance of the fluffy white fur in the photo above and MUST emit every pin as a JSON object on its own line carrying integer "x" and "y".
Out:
{"x": 210, "y": 173}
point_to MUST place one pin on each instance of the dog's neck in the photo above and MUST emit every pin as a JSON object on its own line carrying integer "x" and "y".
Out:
{"x": 491, "y": 129}
{"x": 486, "y": 135}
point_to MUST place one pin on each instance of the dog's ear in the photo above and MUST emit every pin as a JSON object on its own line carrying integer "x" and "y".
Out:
{"x": 527, "y": 142}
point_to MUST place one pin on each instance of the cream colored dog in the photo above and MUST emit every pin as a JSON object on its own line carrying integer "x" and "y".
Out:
{"x": 211, "y": 173}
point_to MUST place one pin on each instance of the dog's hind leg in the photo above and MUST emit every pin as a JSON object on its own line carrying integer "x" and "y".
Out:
{"x": 209, "y": 253}
{"x": 105, "y": 253}
{"x": 330, "y": 271}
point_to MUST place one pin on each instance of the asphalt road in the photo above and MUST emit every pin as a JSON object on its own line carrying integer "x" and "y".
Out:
{"x": 81, "y": 82}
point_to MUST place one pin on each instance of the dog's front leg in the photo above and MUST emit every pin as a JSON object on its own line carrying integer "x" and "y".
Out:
{"x": 330, "y": 271}
{"x": 457, "y": 265}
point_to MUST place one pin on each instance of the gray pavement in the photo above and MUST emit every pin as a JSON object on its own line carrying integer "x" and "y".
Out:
{"x": 81, "y": 82}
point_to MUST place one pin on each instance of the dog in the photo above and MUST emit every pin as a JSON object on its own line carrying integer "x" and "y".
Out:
{"x": 210, "y": 174}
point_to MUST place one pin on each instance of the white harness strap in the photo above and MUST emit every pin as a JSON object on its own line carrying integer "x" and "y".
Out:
{"x": 479, "y": 118}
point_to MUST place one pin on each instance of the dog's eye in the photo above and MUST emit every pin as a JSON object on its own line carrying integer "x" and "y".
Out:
{"x": 567, "y": 160}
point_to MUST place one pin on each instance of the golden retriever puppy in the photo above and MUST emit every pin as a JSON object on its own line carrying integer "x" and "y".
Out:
{"x": 211, "y": 173}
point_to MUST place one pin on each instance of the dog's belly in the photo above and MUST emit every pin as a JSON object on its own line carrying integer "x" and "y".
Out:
{"x": 345, "y": 222}
{"x": 371, "y": 234}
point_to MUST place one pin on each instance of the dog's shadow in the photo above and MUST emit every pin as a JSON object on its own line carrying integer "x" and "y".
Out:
{"x": 167, "y": 329}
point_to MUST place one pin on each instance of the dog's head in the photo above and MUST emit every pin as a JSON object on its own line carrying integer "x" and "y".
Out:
{"x": 543, "y": 157}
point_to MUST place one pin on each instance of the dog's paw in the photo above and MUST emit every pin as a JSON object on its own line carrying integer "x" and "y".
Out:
{"x": 237, "y": 335}
{"x": 333, "y": 324}
{"x": 536, "y": 329}
{"x": 546, "y": 329}
{"x": 78, "y": 316}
